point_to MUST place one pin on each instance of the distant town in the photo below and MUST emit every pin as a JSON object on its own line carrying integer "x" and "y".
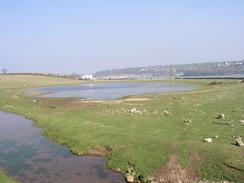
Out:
{"x": 210, "y": 69}
{"x": 228, "y": 68}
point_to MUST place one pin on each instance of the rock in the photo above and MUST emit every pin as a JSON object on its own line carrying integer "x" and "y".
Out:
{"x": 216, "y": 136}
{"x": 165, "y": 113}
{"x": 216, "y": 83}
{"x": 188, "y": 121}
{"x": 130, "y": 169}
{"x": 208, "y": 181}
{"x": 239, "y": 142}
{"x": 133, "y": 110}
{"x": 130, "y": 178}
{"x": 240, "y": 81}
{"x": 220, "y": 116}
{"x": 208, "y": 140}
{"x": 241, "y": 121}
{"x": 34, "y": 101}
{"x": 150, "y": 178}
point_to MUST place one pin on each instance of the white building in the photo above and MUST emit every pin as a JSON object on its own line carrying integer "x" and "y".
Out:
{"x": 86, "y": 77}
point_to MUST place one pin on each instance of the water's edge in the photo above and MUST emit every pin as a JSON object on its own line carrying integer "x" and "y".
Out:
{"x": 29, "y": 157}
{"x": 108, "y": 91}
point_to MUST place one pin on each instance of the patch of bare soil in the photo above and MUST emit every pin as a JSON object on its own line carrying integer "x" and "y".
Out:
{"x": 102, "y": 151}
{"x": 116, "y": 101}
{"x": 69, "y": 104}
{"x": 196, "y": 157}
{"x": 172, "y": 172}
{"x": 135, "y": 99}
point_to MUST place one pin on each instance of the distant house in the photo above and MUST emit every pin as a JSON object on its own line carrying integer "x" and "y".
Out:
{"x": 86, "y": 77}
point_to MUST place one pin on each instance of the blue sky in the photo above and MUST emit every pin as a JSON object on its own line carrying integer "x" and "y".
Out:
{"x": 65, "y": 36}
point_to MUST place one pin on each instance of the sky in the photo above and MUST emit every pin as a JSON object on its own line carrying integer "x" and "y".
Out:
{"x": 84, "y": 36}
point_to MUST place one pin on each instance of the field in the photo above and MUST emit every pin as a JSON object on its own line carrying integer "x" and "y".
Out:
{"x": 162, "y": 137}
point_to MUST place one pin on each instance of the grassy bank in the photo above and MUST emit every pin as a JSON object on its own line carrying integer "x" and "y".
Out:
{"x": 149, "y": 138}
{"x": 5, "y": 179}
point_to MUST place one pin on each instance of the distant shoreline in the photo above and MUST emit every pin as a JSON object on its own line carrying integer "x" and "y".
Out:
{"x": 211, "y": 77}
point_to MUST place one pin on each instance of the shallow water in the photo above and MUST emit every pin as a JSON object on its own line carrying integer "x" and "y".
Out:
{"x": 108, "y": 90}
{"x": 31, "y": 158}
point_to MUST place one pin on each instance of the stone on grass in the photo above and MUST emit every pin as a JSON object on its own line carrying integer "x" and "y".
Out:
{"x": 188, "y": 121}
{"x": 130, "y": 178}
{"x": 216, "y": 83}
{"x": 239, "y": 142}
{"x": 220, "y": 116}
{"x": 150, "y": 178}
{"x": 240, "y": 81}
{"x": 133, "y": 110}
{"x": 130, "y": 169}
{"x": 166, "y": 113}
{"x": 241, "y": 121}
{"x": 208, "y": 140}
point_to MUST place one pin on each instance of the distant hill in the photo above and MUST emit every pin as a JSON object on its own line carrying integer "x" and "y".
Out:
{"x": 227, "y": 68}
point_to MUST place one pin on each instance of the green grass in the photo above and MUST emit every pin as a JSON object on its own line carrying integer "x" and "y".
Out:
{"x": 5, "y": 179}
{"x": 146, "y": 140}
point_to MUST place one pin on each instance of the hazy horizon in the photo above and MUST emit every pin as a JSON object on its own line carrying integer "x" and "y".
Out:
{"x": 62, "y": 36}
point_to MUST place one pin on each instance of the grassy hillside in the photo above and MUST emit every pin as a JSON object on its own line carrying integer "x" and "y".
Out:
{"x": 155, "y": 139}
{"x": 199, "y": 69}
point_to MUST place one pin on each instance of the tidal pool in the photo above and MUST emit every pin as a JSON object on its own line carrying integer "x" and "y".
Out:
{"x": 31, "y": 158}
{"x": 113, "y": 90}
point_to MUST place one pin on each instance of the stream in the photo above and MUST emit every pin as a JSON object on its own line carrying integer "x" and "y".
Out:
{"x": 29, "y": 157}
